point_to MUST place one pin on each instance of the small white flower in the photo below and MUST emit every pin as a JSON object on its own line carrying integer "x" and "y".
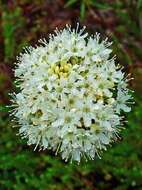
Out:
{"x": 122, "y": 98}
{"x": 71, "y": 94}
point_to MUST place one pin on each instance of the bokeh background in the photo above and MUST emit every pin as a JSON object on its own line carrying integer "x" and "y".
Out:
{"x": 23, "y": 22}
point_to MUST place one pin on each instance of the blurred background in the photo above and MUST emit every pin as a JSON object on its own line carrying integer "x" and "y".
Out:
{"x": 23, "y": 22}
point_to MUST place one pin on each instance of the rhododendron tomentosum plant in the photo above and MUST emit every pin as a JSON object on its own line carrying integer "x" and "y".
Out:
{"x": 72, "y": 94}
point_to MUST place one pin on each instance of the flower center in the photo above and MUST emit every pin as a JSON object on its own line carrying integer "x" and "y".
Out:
{"x": 61, "y": 69}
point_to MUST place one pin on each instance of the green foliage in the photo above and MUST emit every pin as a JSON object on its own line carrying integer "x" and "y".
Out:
{"x": 139, "y": 4}
{"x": 83, "y": 5}
{"x": 69, "y": 3}
{"x": 98, "y": 5}
{"x": 82, "y": 10}
{"x": 11, "y": 21}
{"x": 3, "y": 108}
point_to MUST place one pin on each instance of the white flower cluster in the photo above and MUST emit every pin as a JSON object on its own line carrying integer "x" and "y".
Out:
{"x": 72, "y": 94}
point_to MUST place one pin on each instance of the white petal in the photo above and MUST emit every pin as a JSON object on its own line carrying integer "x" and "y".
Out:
{"x": 44, "y": 142}
{"x": 58, "y": 123}
{"x": 87, "y": 121}
{"x": 76, "y": 155}
{"x": 104, "y": 139}
{"x": 126, "y": 108}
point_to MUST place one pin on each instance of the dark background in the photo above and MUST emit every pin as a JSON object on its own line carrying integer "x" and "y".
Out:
{"x": 23, "y": 22}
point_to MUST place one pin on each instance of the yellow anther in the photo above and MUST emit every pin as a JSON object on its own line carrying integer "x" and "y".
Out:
{"x": 69, "y": 68}
{"x": 57, "y": 77}
{"x": 69, "y": 65}
{"x": 66, "y": 68}
{"x": 65, "y": 75}
{"x": 53, "y": 67}
{"x": 61, "y": 74}
{"x": 69, "y": 73}
{"x": 57, "y": 69}
{"x": 61, "y": 68}
{"x": 35, "y": 123}
{"x": 50, "y": 71}
{"x": 63, "y": 63}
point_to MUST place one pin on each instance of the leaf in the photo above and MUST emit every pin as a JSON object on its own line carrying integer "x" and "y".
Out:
{"x": 115, "y": 39}
{"x": 139, "y": 3}
{"x": 98, "y": 5}
{"x": 82, "y": 10}
{"x": 3, "y": 108}
{"x": 69, "y": 3}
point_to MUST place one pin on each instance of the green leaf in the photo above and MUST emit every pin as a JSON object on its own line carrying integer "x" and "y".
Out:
{"x": 139, "y": 3}
{"x": 82, "y": 10}
{"x": 69, "y": 3}
{"x": 3, "y": 108}
{"x": 115, "y": 39}
{"x": 98, "y": 5}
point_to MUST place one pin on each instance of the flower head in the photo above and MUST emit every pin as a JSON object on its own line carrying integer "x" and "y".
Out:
{"x": 71, "y": 94}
